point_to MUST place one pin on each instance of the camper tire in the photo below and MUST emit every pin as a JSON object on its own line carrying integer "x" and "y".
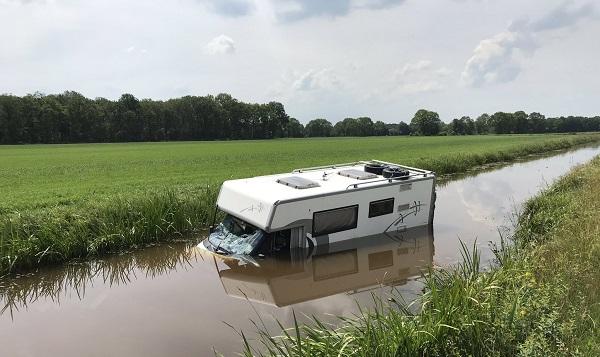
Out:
{"x": 376, "y": 169}
{"x": 395, "y": 173}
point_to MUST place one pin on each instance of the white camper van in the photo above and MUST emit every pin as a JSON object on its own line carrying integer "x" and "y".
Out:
{"x": 320, "y": 205}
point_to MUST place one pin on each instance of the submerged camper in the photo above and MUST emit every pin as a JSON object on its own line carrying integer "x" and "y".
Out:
{"x": 320, "y": 205}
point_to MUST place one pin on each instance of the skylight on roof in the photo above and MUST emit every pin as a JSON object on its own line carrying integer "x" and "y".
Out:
{"x": 298, "y": 182}
{"x": 357, "y": 174}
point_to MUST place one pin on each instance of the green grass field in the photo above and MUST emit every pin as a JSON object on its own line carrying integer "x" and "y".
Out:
{"x": 60, "y": 202}
{"x": 35, "y": 176}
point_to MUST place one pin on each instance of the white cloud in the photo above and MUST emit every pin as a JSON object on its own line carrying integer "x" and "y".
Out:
{"x": 495, "y": 59}
{"x": 220, "y": 45}
{"x": 419, "y": 77}
{"x": 412, "y": 67}
{"x": 316, "y": 79}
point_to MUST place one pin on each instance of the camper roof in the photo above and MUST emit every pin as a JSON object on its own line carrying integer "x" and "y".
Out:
{"x": 253, "y": 198}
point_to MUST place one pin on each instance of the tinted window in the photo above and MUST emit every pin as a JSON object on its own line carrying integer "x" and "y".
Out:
{"x": 381, "y": 207}
{"x": 335, "y": 220}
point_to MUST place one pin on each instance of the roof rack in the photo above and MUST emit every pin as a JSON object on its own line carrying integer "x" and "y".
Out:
{"x": 335, "y": 166}
{"x": 402, "y": 166}
{"x": 390, "y": 180}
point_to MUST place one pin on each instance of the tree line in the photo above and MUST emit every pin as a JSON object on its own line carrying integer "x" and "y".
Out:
{"x": 427, "y": 122}
{"x": 72, "y": 118}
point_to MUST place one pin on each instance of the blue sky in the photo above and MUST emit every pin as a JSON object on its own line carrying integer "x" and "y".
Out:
{"x": 333, "y": 59}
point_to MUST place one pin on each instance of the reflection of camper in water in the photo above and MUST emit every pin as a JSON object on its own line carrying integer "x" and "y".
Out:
{"x": 348, "y": 266}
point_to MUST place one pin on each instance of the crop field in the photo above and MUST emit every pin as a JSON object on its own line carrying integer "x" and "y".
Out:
{"x": 59, "y": 202}
{"x": 35, "y": 176}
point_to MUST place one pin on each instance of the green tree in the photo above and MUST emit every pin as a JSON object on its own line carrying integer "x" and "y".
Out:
{"x": 318, "y": 127}
{"x": 380, "y": 129}
{"x": 521, "y": 122}
{"x": 14, "y": 121}
{"x": 403, "y": 128}
{"x": 482, "y": 124}
{"x": 503, "y": 123}
{"x": 127, "y": 118}
{"x": 456, "y": 127}
{"x": 3, "y": 122}
{"x": 537, "y": 123}
{"x": 348, "y": 127}
{"x": 295, "y": 129}
{"x": 469, "y": 125}
{"x": 445, "y": 129}
{"x": 365, "y": 126}
{"x": 232, "y": 114}
{"x": 275, "y": 120}
{"x": 339, "y": 129}
{"x": 425, "y": 123}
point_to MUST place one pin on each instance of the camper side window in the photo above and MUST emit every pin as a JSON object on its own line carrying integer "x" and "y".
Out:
{"x": 381, "y": 207}
{"x": 335, "y": 220}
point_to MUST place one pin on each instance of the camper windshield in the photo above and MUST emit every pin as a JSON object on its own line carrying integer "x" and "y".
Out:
{"x": 234, "y": 236}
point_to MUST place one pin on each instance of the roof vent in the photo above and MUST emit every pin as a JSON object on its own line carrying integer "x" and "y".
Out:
{"x": 357, "y": 174}
{"x": 298, "y": 182}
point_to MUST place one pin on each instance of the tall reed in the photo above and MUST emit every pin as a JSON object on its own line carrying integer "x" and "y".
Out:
{"x": 32, "y": 238}
{"x": 464, "y": 311}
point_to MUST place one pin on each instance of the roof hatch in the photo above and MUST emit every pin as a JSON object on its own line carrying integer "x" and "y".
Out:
{"x": 357, "y": 174}
{"x": 297, "y": 182}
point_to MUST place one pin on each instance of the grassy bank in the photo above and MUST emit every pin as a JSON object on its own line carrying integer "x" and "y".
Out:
{"x": 66, "y": 201}
{"x": 39, "y": 237}
{"x": 542, "y": 298}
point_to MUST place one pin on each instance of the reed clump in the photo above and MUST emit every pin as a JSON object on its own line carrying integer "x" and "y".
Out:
{"x": 33, "y": 238}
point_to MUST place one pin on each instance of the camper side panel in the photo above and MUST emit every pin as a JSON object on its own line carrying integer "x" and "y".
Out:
{"x": 380, "y": 209}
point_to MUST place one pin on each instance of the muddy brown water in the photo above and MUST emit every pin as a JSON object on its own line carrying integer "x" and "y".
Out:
{"x": 177, "y": 300}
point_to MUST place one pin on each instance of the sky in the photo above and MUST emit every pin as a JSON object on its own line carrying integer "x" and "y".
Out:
{"x": 322, "y": 59}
